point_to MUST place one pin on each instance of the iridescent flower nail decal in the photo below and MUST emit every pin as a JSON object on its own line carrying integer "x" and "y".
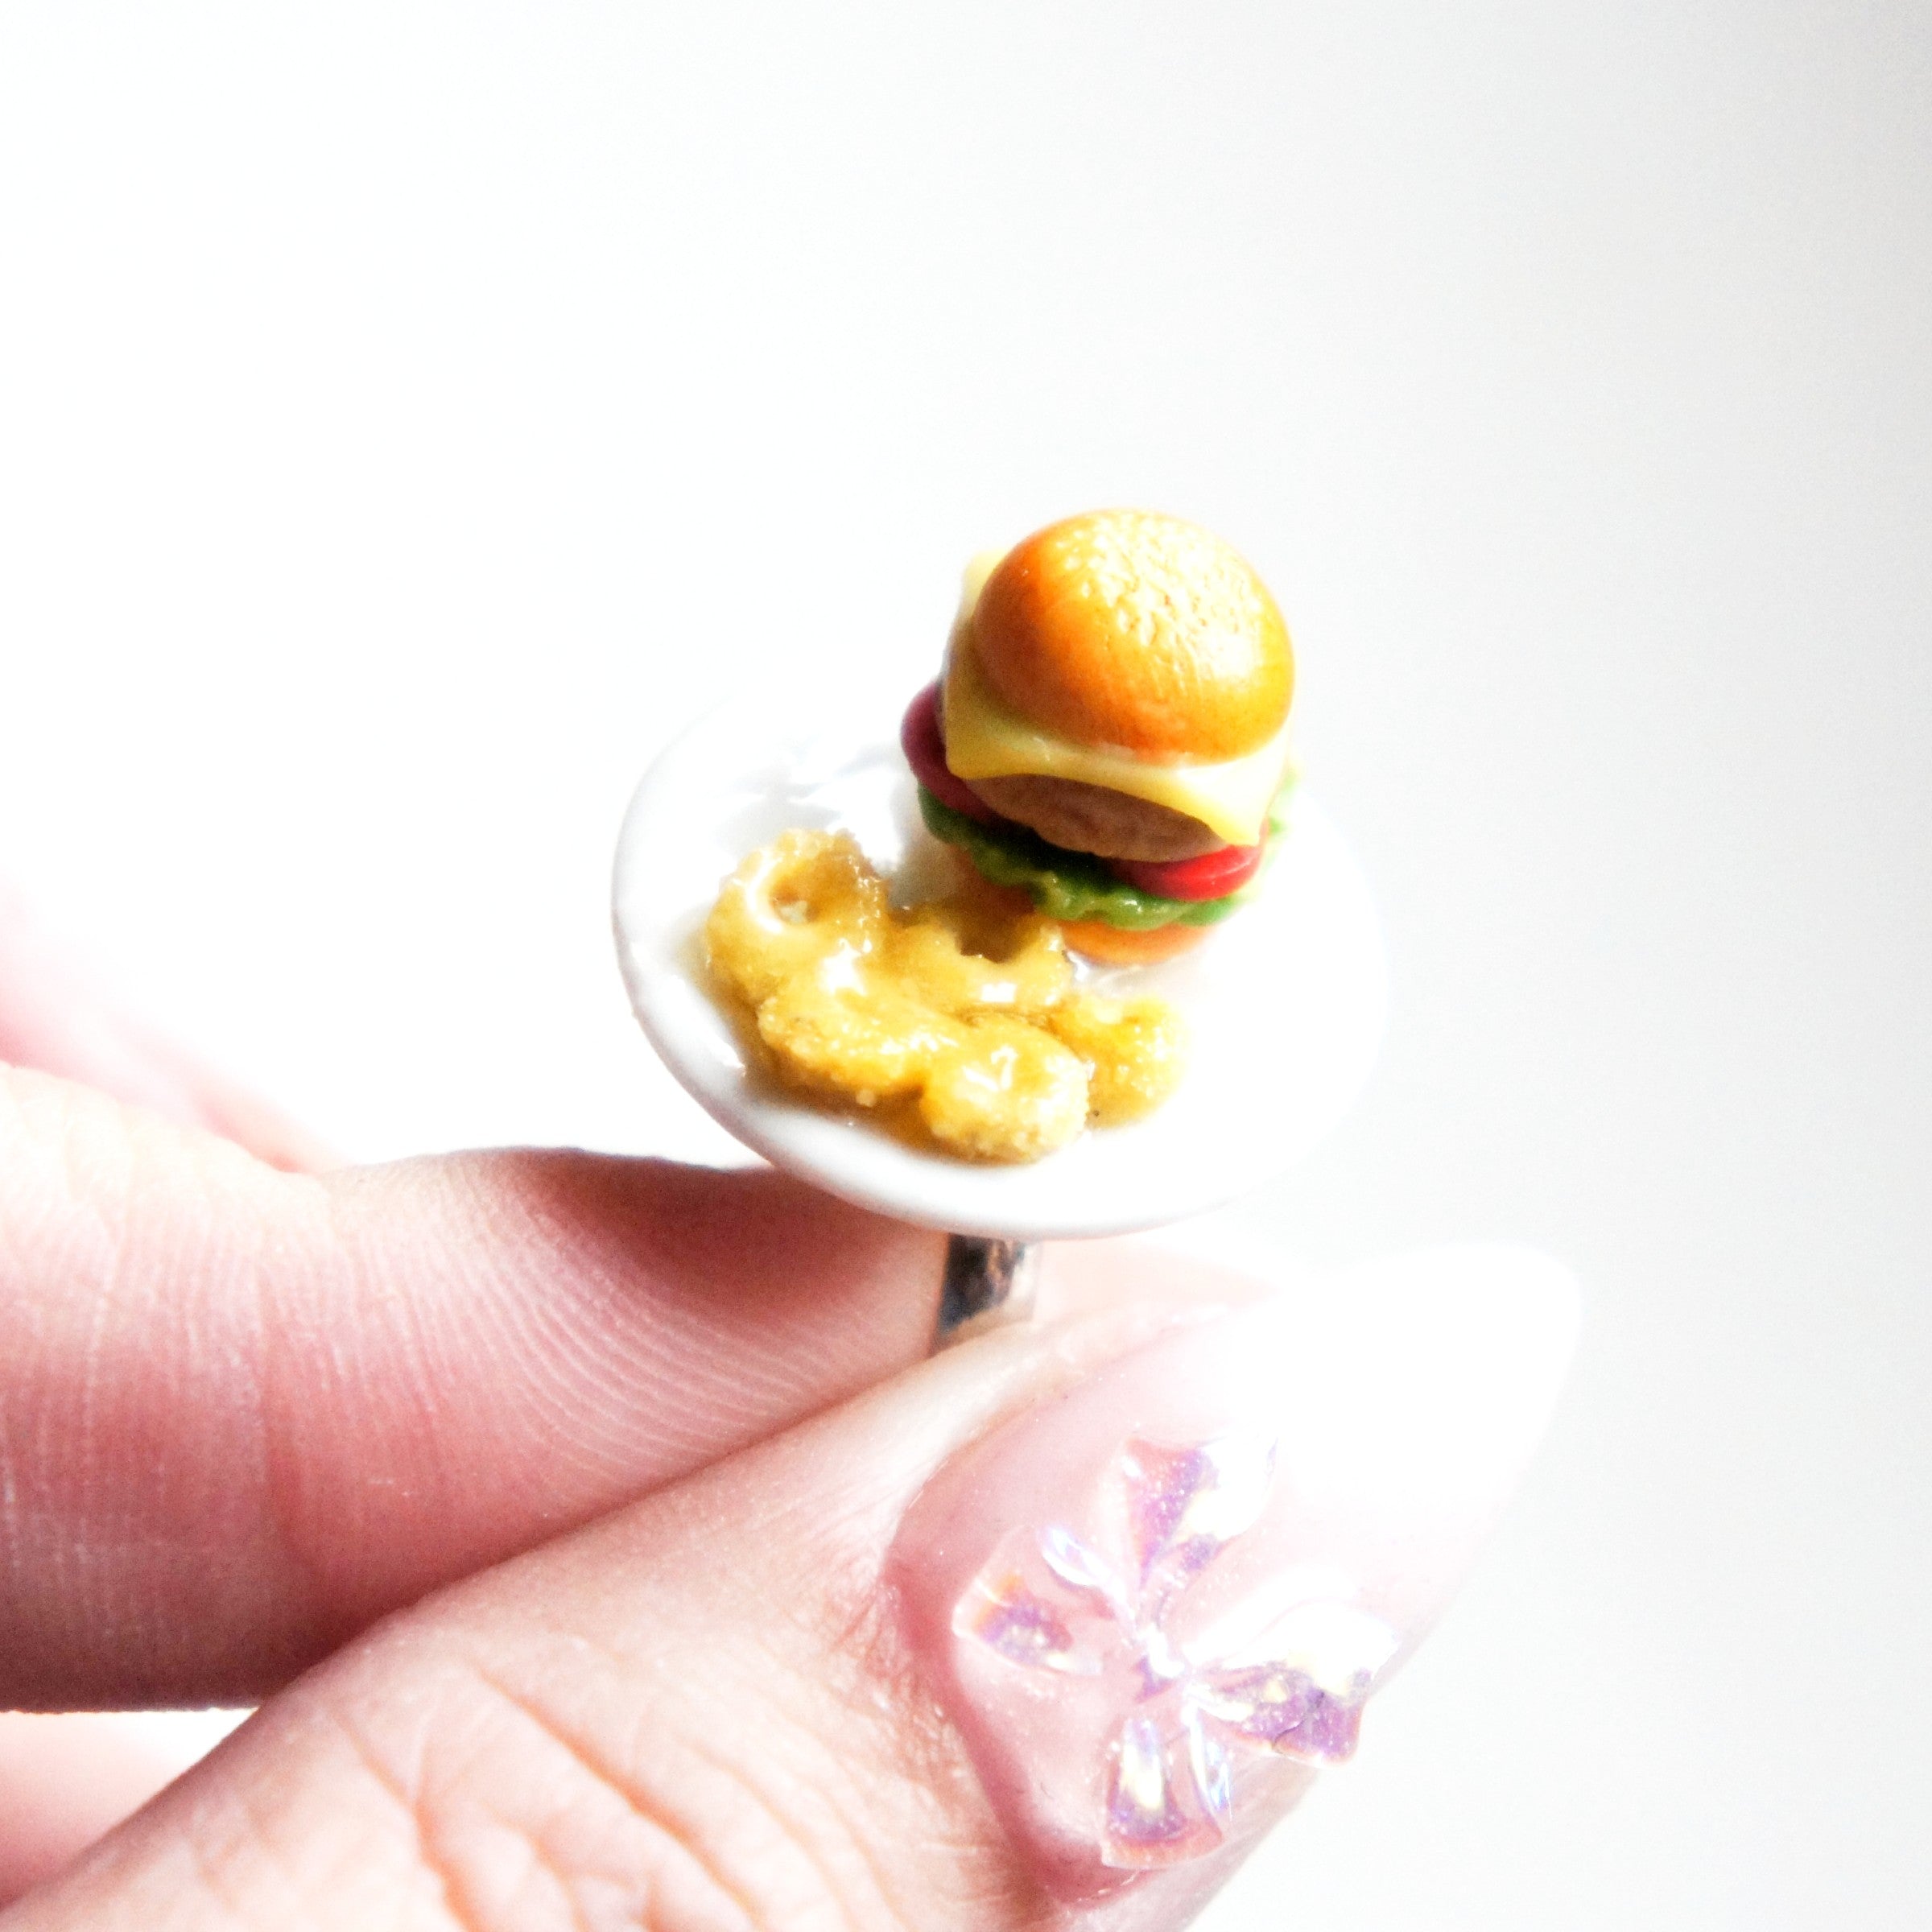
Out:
{"x": 1285, "y": 1669}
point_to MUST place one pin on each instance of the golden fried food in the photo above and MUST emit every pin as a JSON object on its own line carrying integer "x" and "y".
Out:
{"x": 966, "y": 1018}
{"x": 1010, "y": 1092}
{"x": 1134, "y": 1050}
{"x": 792, "y": 905}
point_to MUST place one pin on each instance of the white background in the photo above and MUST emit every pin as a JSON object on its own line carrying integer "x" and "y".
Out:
{"x": 410, "y": 414}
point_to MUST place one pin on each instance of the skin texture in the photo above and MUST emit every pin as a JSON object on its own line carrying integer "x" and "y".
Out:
{"x": 52, "y": 1017}
{"x": 297, "y": 1404}
{"x": 245, "y": 1411}
{"x": 63, "y": 1781}
{"x": 286, "y": 1404}
{"x": 1127, "y": 629}
{"x": 549, "y": 1498}
{"x": 652, "y": 1721}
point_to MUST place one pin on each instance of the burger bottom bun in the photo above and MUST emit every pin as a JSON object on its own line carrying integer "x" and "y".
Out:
{"x": 1115, "y": 946}
{"x": 1090, "y": 817}
{"x": 1091, "y": 939}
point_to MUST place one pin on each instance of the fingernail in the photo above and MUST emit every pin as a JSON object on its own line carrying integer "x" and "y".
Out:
{"x": 1158, "y": 1604}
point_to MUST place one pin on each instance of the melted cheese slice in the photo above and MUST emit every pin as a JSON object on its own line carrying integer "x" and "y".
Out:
{"x": 985, "y": 738}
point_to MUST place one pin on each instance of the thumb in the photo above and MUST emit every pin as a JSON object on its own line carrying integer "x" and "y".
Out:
{"x": 1046, "y": 1632}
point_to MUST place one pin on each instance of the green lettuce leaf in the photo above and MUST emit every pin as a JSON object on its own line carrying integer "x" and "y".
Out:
{"x": 1075, "y": 884}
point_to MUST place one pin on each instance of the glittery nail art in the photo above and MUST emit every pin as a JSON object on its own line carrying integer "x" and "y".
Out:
{"x": 1177, "y": 1686}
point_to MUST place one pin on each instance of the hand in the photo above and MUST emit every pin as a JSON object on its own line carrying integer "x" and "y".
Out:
{"x": 608, "y": 1552}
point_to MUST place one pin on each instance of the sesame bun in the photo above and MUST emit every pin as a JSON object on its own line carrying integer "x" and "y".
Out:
{"x": 1127, "y": 629}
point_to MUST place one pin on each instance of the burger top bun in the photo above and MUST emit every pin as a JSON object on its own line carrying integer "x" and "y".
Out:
{"x": 1125, "y": 628}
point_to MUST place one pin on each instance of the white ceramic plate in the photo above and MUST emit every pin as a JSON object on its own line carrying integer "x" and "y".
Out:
{"x": 1285, "y": 1002}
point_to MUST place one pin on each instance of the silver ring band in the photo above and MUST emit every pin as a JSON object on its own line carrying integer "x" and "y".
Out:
{"x": 988, "y": 1283}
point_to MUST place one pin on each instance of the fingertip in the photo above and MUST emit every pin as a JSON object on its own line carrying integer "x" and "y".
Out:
{"x": 64, "y": 1781}
{"x": 295, "y": 1403}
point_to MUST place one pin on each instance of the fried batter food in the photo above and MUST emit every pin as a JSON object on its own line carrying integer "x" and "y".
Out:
{"x": 1010, "y": 1092}
{"x": 1134, "y": 1050}
{"x": 966, "y": 1017}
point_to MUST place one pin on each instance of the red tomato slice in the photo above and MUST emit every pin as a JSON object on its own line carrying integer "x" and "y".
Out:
{"x": 925, "y": 749}
{"x": 1212, "y": 876}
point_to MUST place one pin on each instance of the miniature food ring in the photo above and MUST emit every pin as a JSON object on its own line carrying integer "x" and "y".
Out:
{"x": 1055, "y": 950}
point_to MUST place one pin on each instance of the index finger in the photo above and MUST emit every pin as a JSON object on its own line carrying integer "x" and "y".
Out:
{"x": 244, "y": 1413}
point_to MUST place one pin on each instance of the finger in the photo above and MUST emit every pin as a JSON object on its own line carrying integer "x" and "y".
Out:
{"x": 53, "y": 1018}
{"x": 64, "y": 1781}
{"x": 244, "y": 1413}
{"x": 1037, "y": 1634}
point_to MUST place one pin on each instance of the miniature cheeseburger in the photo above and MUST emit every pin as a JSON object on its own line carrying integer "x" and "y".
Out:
{"x": 1109, "y": 735}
